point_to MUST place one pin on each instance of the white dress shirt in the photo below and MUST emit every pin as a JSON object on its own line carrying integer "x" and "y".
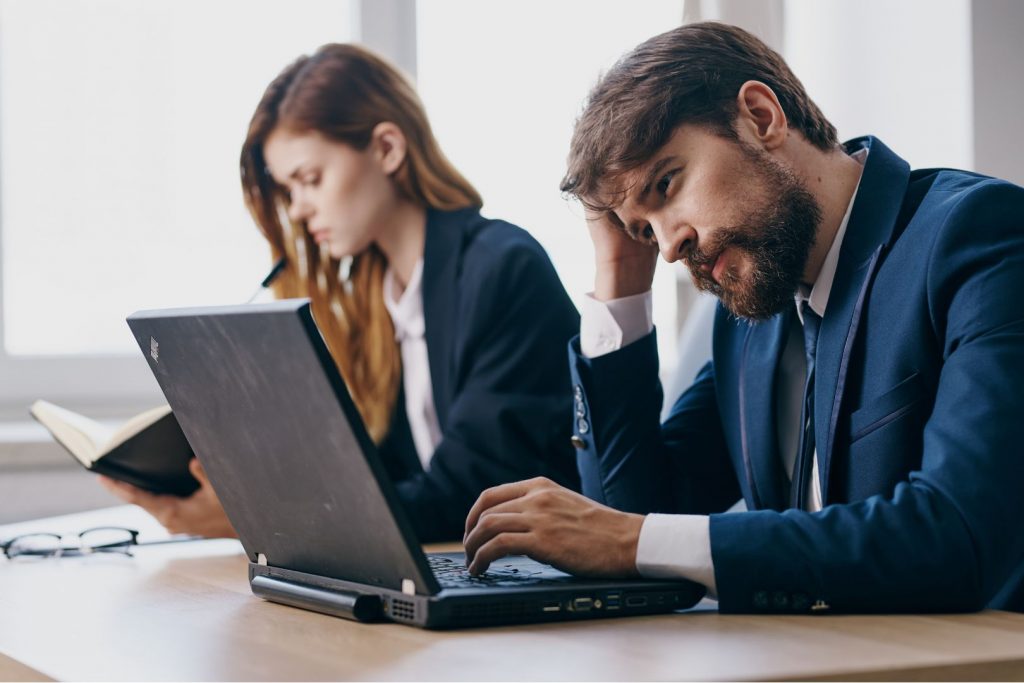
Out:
{"x": 679, "y": 546}
{"x": 406, "y": 313}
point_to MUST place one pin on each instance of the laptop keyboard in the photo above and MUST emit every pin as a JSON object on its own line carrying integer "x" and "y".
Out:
{"x": 453, "y": 574}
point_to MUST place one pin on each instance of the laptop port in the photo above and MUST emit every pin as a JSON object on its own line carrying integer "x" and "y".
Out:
{"x": 613, "y": 600}
{"x": 582, "y": 604}
{"x": 552, "y": 607}
{"x": 636, "y": 601}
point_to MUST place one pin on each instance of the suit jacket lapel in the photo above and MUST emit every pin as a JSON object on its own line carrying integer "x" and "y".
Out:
{"x": 762, "y": 352}
{"x": 879, "y": 198}
{"x": 442, "y": 258}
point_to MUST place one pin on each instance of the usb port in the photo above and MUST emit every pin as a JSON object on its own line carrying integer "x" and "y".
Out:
{"x": 636, "y": 601}
{"x": 582, "y": 604}
{"x": 613, "y": 600}
{"x": 552, "y": 607}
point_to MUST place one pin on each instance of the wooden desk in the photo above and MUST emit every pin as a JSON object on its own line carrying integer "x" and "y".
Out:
{"x": 185, "y": 612}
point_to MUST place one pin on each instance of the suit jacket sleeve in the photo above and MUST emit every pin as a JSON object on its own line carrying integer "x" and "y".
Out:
{"x": 949, "y": 537}
{"x": 631, "y": 461}
{"x": 510, "y": 413}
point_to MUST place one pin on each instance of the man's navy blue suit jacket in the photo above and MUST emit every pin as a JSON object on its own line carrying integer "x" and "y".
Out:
{"x": 919, "y": 416}
{"x": 497, "y": 320}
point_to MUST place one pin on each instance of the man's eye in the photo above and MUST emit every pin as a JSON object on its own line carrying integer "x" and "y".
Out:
{"x": 645, "y": 234}
{"x": 311, "y": 181}
{"x": 664, "y": 183}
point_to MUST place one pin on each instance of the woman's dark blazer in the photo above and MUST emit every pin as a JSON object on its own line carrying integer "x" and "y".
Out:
{"x": 497, "y": 324}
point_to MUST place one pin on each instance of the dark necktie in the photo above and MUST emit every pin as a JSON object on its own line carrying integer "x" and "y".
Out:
{"x": 805, "y": 453}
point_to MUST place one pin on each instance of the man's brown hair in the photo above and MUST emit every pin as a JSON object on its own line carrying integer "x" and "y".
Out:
{"x": 691, "y": 74}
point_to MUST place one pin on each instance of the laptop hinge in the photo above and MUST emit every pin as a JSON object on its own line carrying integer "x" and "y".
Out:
{"x": 347, "y": 604}
{"x": 261, "y": 559}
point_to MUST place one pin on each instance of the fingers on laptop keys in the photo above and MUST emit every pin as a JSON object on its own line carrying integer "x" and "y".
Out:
{"x": 553, "y": 525}
{"x": 499, "y": 523}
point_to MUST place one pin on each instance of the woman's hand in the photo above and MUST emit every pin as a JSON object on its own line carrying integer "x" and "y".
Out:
{"x": 200, "y": 514}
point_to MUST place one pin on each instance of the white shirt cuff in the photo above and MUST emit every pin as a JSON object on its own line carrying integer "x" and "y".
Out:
{"x": 607, "y": 326}
{"x": 676, "y": 547}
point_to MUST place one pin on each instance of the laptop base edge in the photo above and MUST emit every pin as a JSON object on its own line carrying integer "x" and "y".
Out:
{"x": 466, "y": 608}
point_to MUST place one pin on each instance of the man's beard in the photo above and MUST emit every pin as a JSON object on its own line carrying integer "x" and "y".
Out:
{"x": 776, "y": 236}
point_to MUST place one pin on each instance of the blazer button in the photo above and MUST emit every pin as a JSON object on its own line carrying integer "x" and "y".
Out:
{"x": 577, "y": 442}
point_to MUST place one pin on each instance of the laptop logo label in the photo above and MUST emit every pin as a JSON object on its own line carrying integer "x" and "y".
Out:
{"x": 154, "y": 350}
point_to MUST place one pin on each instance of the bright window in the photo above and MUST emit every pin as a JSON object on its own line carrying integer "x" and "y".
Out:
{"x": 120, "y": 127}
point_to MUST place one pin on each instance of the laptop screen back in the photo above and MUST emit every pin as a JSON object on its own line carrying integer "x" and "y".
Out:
{"x": 264, "y": 407}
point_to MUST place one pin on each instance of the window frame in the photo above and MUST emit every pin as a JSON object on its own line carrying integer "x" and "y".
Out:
{"x": 119, "y": 385}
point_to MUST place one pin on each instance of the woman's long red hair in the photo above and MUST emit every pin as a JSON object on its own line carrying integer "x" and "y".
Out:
{"x": 343, "y": 92}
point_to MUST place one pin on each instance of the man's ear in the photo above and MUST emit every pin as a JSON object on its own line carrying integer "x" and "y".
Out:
{"x": 389, "y": 145}
{"x": 760, "y": 116}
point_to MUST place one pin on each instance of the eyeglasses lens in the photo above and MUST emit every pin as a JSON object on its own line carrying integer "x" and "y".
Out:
{"x": 35, "y": 545}
{"x": 107, "y": 539}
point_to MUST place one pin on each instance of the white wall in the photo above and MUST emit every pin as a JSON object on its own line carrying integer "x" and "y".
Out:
{"x": 898, "y": 70}
{"x": 998, "y": 70}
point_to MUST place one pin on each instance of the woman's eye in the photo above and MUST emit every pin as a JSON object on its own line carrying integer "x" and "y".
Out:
{"x": 647, "y": 234}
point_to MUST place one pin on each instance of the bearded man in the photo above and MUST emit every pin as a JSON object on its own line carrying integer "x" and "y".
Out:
{"x": 866, "y": 392}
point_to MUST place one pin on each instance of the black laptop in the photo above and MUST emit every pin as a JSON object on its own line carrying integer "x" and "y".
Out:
{"x": 263, "y": 405}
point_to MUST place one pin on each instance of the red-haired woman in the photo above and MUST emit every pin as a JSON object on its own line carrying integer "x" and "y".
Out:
{"x": 450, "y": 329}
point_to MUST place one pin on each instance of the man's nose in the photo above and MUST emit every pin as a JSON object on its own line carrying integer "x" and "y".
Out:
{"x": 673, "y": 241}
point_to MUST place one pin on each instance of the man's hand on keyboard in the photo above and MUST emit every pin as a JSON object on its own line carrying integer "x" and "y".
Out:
{"x": 554, "y": 525}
